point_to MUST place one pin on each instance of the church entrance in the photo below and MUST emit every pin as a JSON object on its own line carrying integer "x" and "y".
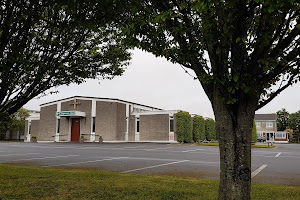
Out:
{"x": 75, "y": 129}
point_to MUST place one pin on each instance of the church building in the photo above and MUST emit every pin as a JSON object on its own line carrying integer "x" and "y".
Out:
{"x": 91, "y": 118}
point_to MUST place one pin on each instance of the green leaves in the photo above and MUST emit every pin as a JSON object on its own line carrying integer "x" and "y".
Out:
{"x": 184, "y": 127}
{"x": 50, "y": 43}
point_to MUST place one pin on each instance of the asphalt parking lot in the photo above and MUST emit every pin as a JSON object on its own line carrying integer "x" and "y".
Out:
{"x": 275, "y": 166}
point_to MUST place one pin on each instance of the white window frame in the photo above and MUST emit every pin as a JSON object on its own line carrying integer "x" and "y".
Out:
{"x": 258, "y": 125}
{"x": 280, "y": 135}
{"x": 171, "y": 118}
{"x": 269, "y": 124}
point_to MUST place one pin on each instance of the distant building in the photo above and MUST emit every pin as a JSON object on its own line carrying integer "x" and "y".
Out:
{"x": 266, "y": 126}
{"x": 113, "y": 119}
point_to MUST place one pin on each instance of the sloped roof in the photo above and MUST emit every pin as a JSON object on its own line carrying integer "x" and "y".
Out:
{"x": 265, "y": 117}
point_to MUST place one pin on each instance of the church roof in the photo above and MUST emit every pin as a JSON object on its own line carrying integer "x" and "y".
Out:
{"x": 99, "y": 98}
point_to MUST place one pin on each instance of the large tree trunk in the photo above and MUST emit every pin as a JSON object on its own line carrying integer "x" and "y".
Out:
{"x": 234, "y": 126}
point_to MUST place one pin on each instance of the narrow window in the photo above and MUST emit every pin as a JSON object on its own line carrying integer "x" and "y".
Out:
{"x": 58, "y": 125}
{"x": 269, "y": 124}
{"x": 171, "y": 124}
{"x": 29, "y": 130}
{"x": 94, "y": 125}
{"x": 137, "y": 125}
{"x": 126, "y": 130}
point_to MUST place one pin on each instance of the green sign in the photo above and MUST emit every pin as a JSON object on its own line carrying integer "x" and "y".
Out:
{"x": 66, "y": 113}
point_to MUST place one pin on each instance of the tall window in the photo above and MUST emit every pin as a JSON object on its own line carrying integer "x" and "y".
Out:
{"x": 171, "y": 124}
{"x": 29, "y": 129}
{"x": 137, "y": 125}
{"x": 58, "y": 125}
{"x": 126, "y": 130}
{"x": 258, "y": 125}
{"x": 269, "y": 124}
{"x": 94, "y": 125}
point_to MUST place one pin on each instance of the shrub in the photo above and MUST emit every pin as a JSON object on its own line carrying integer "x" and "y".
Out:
{"x": 254, "y": 133}
{"x": 210, "y": 129}
{"x": 184, "y": 127}
{"x": 198, "y": 128}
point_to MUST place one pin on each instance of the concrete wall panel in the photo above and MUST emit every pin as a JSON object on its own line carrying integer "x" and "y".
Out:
{"x": 47, "y": 123}
{"x": 131, "y": 129}
{"x": 121, "y": 121}
{"x": 35, "y": 128}
{"x": 154, "y": 127}
{"x": 106, "y": 120}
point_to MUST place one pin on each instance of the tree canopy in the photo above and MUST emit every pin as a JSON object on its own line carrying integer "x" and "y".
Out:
{"x": 244, "y": 53}
{"x": 237, "y": 46}
{"x": 283, "y": 119}
{"x": 44, "y": 44}
{"x": 14, "y": 122}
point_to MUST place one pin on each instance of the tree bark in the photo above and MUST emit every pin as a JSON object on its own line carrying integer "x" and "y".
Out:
{"x": 234, "y": 126}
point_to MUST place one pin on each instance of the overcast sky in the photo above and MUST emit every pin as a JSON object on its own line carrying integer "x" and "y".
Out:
{"x": 156, "y": 82}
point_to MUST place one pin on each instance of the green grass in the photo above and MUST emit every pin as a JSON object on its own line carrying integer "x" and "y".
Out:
{"x": 19, "y": 182}
{"x": 263, "y": 146}
{"x": 210, "y": 144}
{"x": 253, "y": 146}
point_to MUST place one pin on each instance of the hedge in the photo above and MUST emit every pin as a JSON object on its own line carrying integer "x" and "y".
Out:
{"x": 210, "y": 129}
{"x": 254, "y": 133}
{"x": 198, "y": 128}
{"x": 184, "y": 127}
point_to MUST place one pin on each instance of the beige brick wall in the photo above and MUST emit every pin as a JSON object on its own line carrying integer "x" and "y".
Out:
{"x": 131, "y": 128}
{"x": 64, "y": 129}
{"x": 121, "y": 121}
{"x": 154, "y": 127}
{"x": 106, "y": 120}
{"x": 47, "y": 123}
{"x": 263, "y": 127}
{"x": 35, "y": 128}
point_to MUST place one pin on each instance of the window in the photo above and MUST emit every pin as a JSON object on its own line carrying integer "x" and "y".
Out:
{"x": 171, "y": 124}
{"x": 126, "y": 130}
{"x": 94, "y": 125}
{"x": 29, "y": 128}
{"x": 137, "y": 125}
{"x": 280, "y": 136}
{"x": 258, "y": 124}
{"x": 58, "y": 125}
{"x": 269, "y": 124}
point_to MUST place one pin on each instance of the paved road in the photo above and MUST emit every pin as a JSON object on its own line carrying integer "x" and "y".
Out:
{"x": 276, "y": 166}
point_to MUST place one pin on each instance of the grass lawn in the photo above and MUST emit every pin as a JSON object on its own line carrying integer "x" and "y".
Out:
{"x": 19, "y": 182}
{"x": 253, "y": 146}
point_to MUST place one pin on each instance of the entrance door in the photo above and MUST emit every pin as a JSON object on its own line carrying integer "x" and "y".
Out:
{"x": 75, "y": 130}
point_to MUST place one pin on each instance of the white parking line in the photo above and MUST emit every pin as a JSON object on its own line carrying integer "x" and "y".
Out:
{"x": 257, "y": 171}
{"x": 277, "y": 155}
{"x": 133, "y": 147}
{"x": 84, "y": 162}
{"x": 192, "y": 150}
{"x": 19, "y": 154}
{"x": 132, "y": 170}
{"x": 156, "y": 149}
{"x": 43, "y": 158}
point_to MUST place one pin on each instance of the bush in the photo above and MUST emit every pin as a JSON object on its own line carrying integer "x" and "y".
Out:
{"x": 184, "y": 127}
{"x": 254, "y": 133}
{"x": 210, "y": 129}
{"x": 198, "y": 128}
